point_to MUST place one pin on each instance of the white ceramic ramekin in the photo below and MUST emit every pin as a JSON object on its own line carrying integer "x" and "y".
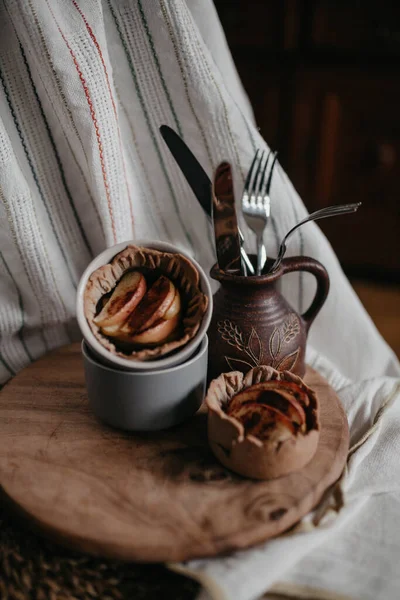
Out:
{"x": 110, "y": 359}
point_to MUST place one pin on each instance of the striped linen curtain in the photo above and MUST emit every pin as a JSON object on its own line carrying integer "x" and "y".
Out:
{"x": 84, "y": 87}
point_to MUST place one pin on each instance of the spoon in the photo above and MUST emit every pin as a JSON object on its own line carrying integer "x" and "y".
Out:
{"x": 328, "y": 211}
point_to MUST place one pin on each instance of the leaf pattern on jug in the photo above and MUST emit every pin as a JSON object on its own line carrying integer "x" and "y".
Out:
{"x": 252, "y": 348}
{"x": 288, "y": 331}
{"x": 231, "y": 334}
{"x": 288, "y": 362}
{"x": 240, "y": 364}
{"x": 275, "y": 343}
{"x": 290, "y": 328}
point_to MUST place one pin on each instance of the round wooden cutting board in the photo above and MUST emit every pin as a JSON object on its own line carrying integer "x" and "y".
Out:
{"x": 151, "y": 497}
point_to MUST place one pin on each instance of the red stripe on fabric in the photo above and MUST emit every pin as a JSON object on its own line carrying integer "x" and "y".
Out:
{"x": 90, "y": 31}
{"x": 95, "y": 123}
{"x": 94, "y": 39}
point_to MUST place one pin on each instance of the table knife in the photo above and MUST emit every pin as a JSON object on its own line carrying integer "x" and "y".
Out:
{"x": 226, "y": 232}
{"x": 197, "y": 179}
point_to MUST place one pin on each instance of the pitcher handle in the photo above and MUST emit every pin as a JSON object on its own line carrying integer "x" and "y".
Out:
{"x": 305, "y": 263}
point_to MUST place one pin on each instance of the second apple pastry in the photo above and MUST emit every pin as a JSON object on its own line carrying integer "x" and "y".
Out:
{"x": 263, "y": 424}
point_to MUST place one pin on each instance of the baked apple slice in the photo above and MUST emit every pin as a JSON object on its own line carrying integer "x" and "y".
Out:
{"x": 155, "y": 319}
{"x": 125, "y": 298}
{"x": 157, "y": 334}
{"x": 175, "y": 307}
{"x": 152, "y": 308}
{"x": 295, "y": 390}
{"x": 162, "y": 330}
{"x": 273, "y": 395}
{"x": 261, "y": 421}
{"x": 285, "y": 404}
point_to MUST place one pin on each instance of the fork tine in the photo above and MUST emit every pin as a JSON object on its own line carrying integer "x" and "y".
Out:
{"x": 256, "y": 175}
{"x": 268, "y": 187}
{"x": 260, "y": 187}
{"x": 249, "y": 174}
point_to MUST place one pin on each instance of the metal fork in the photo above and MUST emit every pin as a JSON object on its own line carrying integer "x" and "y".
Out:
{"x": 256, "y": 202}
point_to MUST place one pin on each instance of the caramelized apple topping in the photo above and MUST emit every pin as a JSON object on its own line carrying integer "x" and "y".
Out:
{"x": 138, "y": 315}
{"x": 122, "y": 302}
{"x": 274, "y": 402}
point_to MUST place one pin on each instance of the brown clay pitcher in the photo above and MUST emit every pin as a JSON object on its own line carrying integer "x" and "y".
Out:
{"x": 253, "y": 324}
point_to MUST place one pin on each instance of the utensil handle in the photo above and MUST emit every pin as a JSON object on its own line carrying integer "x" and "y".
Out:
{"x": 310, "y": 265}
{"x": 247, "y": 266}
{"x": 261, "y": 255}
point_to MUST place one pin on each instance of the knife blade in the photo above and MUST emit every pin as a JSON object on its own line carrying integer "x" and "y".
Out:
{"x": 197, "y": 179}
{"x": 194, "y": 173}
{"x": 226, "y": 232}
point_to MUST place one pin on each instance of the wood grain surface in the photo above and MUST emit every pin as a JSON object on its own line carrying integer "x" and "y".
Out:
{"x": 147, "y": 497}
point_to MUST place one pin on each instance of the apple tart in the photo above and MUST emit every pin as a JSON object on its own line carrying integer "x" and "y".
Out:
{"x": 145, "y": 303}
{"x": 263, "y": 424}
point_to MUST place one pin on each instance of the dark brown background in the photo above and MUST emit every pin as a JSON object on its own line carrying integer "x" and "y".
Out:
{"x": 323, "y": 79}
